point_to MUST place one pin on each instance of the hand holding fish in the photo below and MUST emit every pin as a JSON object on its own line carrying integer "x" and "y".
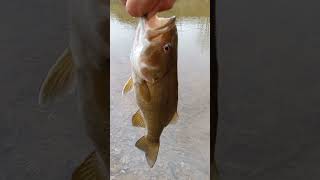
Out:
{"x": 139, "y": 8}
{"x": 154, "y": 72}
{"x": 154, "y": 80}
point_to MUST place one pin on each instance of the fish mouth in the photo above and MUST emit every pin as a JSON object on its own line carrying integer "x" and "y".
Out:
{"x": 162, "y": 25}
{"x": 163, "y": 22}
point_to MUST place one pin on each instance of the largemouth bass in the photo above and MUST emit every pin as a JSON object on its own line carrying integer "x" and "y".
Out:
{"x": 84, "y": 65}
{"x": 154, "y": 80}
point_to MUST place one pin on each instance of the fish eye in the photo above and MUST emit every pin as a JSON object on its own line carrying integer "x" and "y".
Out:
{"x": 167, "y": 47}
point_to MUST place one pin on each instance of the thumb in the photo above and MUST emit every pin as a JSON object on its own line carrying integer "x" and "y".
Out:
{"x": 153, "y": 11}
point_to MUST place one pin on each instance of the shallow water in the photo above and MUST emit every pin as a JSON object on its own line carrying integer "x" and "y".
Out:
{"x": 185, "y": 147}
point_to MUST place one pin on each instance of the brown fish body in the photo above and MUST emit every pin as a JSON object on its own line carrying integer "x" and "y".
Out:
{"x": 162, "y": 106}
{"x": 154, "y": 80}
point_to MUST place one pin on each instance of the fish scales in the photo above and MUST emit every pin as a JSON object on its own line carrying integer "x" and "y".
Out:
{"x": 154, "y": 80}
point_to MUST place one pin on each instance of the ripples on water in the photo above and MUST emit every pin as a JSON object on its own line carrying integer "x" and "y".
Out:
{"x": 185, "y": 147}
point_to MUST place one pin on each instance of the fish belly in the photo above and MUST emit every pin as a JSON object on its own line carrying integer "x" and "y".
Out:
{"x": 162, "y": 106}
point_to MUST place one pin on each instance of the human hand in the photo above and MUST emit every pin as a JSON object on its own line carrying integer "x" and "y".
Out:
{"x": 139, "y": 8}
{"x": 162, "y": 5}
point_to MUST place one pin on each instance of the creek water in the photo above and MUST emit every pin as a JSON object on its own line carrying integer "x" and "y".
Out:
{"x": 185, "y": 146}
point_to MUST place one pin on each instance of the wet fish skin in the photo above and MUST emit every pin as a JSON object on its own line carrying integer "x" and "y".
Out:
{"x": 154, "y": 81}
{"x": 85, "y": 65}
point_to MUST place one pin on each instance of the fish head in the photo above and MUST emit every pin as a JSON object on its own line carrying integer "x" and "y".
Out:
{"x": 159, "y": 50}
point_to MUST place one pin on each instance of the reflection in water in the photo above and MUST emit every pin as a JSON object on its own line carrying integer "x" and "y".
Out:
{"x": 185, "y": 147}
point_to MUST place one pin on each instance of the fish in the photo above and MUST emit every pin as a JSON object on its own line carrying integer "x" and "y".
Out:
{"x": 154, "y": 80}
{"x": 83, "y": 67}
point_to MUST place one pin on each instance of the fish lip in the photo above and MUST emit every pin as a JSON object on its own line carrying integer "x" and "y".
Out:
{"x": 154, "y": 32}
{"x": 171, "y": 20}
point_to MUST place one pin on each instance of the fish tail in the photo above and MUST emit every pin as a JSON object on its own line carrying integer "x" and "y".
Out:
{"x": 151, "y": 149}
{"x": 88, "y": 169}
{"x": 60, "y": 79}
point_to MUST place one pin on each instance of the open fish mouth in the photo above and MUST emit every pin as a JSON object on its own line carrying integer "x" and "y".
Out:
{"x": 164, "y": 22}
{"x": 163, "y": 25}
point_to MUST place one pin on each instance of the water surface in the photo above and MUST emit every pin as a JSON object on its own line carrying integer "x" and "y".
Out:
{"x": 185, "y": 147}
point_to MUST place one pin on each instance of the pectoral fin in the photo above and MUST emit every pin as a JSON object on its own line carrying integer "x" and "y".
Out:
{"x": 151, "y": 150}
{"x": 60, "y": 79}
{"x": 88, "y": 169}
{"x": 128, "y": 86}
{"x": 144, "y": 91}
{"x": 137, "y": 119}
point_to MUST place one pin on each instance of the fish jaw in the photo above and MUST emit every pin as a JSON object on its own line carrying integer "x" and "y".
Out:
{"x": 154, "y": 48}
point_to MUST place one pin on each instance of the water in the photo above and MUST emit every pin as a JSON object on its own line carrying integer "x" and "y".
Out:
{"x": 185, "y": 147}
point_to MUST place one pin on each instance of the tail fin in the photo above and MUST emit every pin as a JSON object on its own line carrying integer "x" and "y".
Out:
{"x": 151, "y": 150}
{"x": 60, "y": 79}
{"x": 88, "y": 169}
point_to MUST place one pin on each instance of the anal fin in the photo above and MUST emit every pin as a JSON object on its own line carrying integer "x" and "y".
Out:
{"x": 137, "y": 119}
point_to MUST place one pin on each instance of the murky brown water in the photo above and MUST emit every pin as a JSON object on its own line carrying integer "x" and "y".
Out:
{"x": 185, "y": 147}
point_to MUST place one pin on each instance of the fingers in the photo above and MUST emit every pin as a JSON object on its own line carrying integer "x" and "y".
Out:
{"x": 153, "y": 11}
{"x": 133, "y": 9}
{"x": 163, "y": 5}
{"x": 139, "y": 8}
{"x": 166, "y": 5}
